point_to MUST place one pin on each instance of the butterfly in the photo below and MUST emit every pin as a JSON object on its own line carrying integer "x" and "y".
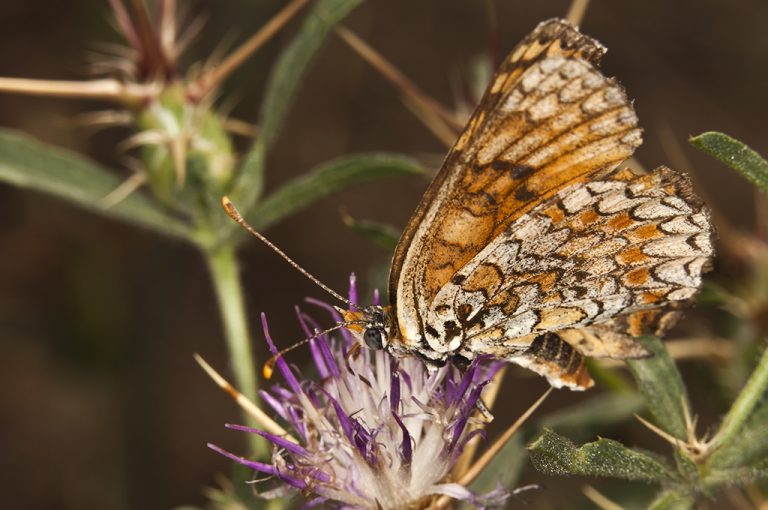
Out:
{"x": 531, "y": 245}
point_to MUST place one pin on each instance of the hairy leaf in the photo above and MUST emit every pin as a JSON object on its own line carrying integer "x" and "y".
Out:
{"x": 747, "y": 447}
{"x": 736, "y": 155}
{"x": 662, "y": 387}
{"x": 554, "y": 454}
{"x": 673, "y": 499}
{"x": 741, "y": 475}
{"x": 27, "y": 163}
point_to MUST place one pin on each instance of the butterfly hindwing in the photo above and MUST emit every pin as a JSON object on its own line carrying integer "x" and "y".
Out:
{"x": 605, "y": 259}
{"x": 550, "y": 356}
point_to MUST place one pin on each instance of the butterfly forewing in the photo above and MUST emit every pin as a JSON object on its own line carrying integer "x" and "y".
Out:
{"x": 553, "y": 38}
{"x": 528, "y": 229}
{"x": 553, "y": 121}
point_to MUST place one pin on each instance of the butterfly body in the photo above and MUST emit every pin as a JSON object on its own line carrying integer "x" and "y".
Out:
{"x": 530, "y": 245}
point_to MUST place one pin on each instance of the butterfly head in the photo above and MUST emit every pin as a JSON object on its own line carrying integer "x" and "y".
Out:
{"x": 372, "y": 326}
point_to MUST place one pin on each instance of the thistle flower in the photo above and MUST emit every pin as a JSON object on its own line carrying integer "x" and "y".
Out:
{"x": 374, "y": 432}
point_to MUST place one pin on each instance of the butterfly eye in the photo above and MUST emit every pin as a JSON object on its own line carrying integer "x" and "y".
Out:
{"x": 372, "y": 338}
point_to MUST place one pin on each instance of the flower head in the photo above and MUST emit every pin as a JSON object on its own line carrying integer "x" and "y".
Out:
{"x": 374, "y": 431}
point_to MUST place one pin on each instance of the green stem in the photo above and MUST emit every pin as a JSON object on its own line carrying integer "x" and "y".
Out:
{"x": 229, "y": 293}
{"x": 744, "y": 404}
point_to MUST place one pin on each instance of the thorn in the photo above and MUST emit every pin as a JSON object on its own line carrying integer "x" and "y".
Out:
{"x": 154, "y": 60}
{"x": 192, "y": 29}
{"x": 252, "y": 409}
{"x": 576, "y": 12}
{"x": 432, "y": 111}
{"x": 104, "y": 118}
{"x": 178, "y": 147}
{"x": 124, "y": 190}
{"x": 212, "y": 79}
{"x": 240, "y": 127}
{"x": 167, "y": 24}
{"x": 598, "y": 499}
{"x": 442, "y": 131}
{"x": 125, "y": 24}
{"x": 690, "y": 427}
{"x": 677, "y": 443}
{"x": 131, "y": 94}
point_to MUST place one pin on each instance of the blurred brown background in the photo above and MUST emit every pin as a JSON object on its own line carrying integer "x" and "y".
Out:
{"x": 101, "y": 404}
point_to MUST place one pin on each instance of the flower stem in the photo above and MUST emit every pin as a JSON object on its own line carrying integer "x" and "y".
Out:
{"x": 229, "y": 293}
{"x": 742, "y": 408}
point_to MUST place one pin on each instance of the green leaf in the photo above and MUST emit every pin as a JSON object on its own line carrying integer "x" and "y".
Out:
{"x": 599, "y": 411}
{"x": 383, "y": 235}
{"x": 686, "y": 466}
{"x": 504, "y": 470}
{"x": 738, "y": 475}
{"x": 326, "y": 179}
{"x": 554, "y": 454}
{"x": 736, "y": 155}
{"x": 731, "y": 431}
{"x": 662, "y": 387}
{"x": 27, "y": 163}
{"x": 673, "y": 499}
{"x": 284, "y": 81}
{"x": 743, "y": 435}
{"x": 749, "y": 446}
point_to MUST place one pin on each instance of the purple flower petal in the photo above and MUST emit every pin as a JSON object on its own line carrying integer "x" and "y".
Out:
{"x": 348, "y": 338}
{"x": 317, "y": 330}
{"x": 277, "y": 440}
{"x": 406, "y": 450}
{"x": 466, "y": 381}
{"x": 353, "y": 288}
{"x": 314, "y": 502}
{"x": 297, "y": 420}
{"x": 466, "y": 412}
{"x": 282, "y": 393}
{"x": 406, "y": 379}
{"x": 364, "y": 441}
{"x": 466, "y": 439}
{"x": 344, "y": 420}
{"x": 317, "y": 356}
{"x": 303, "y": 321}
{"x": 325, "y": 306}
{"x": 453, "y": 490}
{"x": 274, "y": 404}
{"x": 281, "y": 364}
{"x": 328, "y": 358}
{"x": 260, "y": 467}
{"x": 394, "y": 392}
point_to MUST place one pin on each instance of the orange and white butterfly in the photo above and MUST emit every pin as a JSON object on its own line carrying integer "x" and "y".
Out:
{"x": 530, "y": 245}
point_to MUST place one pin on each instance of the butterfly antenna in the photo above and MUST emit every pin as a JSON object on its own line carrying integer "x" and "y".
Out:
{"x": 233, "y": 213}
{"x": 269, "y": 366}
